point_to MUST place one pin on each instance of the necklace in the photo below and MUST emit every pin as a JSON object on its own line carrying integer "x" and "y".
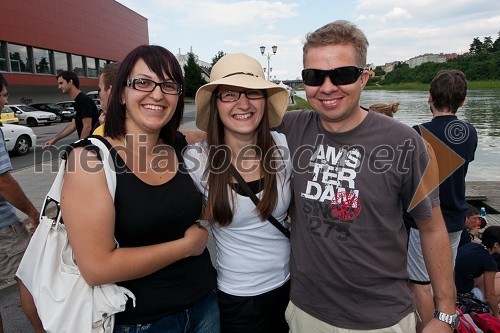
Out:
{"x": 149, "y": 165}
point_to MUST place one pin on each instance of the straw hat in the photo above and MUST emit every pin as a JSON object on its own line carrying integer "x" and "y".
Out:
{"x": 240, "y": 70}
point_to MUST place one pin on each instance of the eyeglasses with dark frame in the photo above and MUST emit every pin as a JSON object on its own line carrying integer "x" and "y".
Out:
{"x": 339, "y": 76}
{"x": 233, "y": 96}
{"x": 147, "y": 85}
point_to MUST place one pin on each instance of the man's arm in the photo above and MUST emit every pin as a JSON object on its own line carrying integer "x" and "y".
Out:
{"x": 436, "y": 249}
{"x": 12, "y": 192}
{"x": 87, "y": 127}
{"x": 70, "y": 128}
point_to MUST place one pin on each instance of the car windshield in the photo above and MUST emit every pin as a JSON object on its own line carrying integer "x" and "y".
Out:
{"x": 27, "y": 108}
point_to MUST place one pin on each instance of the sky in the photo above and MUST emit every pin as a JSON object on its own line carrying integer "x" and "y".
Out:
{"x": 396, "y": 30}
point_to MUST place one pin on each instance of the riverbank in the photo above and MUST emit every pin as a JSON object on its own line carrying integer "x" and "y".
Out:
{"x": 472, "y": 85}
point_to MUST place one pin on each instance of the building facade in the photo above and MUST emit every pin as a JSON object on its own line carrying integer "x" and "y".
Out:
{"x": 39, "y": 39}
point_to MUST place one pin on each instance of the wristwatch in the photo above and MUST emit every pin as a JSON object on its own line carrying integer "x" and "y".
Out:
{"x": 451, "y": 320}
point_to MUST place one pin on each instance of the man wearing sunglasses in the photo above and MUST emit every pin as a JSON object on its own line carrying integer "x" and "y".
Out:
{"x": 355, "y": 171}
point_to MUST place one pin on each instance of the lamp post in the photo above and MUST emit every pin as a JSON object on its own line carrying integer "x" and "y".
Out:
{"x": 268, "y": 55}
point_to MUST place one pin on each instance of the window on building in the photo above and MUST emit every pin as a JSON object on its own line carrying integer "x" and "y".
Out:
{"x": 20, "y": 60}
{"x": 42, "y": 61}
{"x": 60, "y": 62}
{"x": 102, "y": 64}
{"x": 77, "y": 63}
{"x": 92, "y": 67}
{"x": 3, "y": 56}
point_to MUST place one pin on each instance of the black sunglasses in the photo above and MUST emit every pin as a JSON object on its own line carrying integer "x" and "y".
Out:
{"x": 339, "y": 76}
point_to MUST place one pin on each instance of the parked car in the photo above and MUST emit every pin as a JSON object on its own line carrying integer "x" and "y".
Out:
{"x": 32, "y": 117}
{"x": 18, "y": 139}
{"x": 70, "y": 105}
{"x": 93, "y": 94}
{"x": 58, "y": 110}
{"x": 97, "y": 102}
{"x": 7, "y": 116}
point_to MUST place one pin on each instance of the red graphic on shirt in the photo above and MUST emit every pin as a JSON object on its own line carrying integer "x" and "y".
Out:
{"x": 345, "y": 206}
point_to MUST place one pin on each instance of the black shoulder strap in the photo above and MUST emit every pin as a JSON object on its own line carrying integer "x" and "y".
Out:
{"x": 255, "y": 200}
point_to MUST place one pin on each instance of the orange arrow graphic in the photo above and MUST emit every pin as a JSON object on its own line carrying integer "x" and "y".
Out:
{"x": 443, "y": 161}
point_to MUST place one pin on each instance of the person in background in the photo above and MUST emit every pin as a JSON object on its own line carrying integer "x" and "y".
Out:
{"x": 473, "y": 223}
{"x": 383, "y": 108}
{"x": 447, "y": 93}
{"x": 14, "y": 236}
{"x": 236, "y": 109}
{"x": 86, "y": 115}
{"x": 107, "y": 76}
{"x": 162, "y": 256}
{"x": 351, "y": 182}
{"x": 476, "y": 261}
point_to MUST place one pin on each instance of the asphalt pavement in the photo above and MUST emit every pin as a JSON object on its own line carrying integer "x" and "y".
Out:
{"x": 35, "y": 180}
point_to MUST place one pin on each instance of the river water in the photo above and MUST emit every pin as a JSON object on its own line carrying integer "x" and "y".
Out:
{"x": 481, "y": 108}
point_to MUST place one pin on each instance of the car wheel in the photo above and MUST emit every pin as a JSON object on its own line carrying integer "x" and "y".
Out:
{"x": 59, "y": 119}
{"x": 32, "y": 122}
{"x": 23, "y": 145}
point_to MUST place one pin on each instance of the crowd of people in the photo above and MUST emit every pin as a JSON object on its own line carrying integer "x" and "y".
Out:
{"x": 322, "y": 221}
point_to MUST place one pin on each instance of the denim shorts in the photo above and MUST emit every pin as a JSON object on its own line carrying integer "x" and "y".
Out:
{"x": 201, "y": 317}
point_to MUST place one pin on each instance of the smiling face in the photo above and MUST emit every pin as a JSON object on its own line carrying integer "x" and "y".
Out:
{"x": 147, "y": 112}
{"x": 337, "y": 106}
{"x": 241, "y": 117}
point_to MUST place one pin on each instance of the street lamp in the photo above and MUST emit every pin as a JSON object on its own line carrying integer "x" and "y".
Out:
{"x": 268, "y": 55}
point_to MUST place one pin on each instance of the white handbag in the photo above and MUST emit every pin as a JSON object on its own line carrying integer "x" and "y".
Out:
{"x": 64, "y": 301}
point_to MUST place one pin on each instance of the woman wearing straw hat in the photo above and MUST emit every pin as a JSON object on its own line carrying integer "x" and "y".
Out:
{"x": 236, "y": 109}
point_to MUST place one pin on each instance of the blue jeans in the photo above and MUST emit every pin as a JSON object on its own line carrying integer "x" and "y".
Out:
{"x": 201, "y": 317}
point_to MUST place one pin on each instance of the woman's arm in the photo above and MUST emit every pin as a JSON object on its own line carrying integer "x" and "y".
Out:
{"x": 89, "y": 216}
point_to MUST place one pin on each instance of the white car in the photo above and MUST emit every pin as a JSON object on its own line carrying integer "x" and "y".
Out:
{"x": 18, "y": 139}
{"x": 32, "y": 117}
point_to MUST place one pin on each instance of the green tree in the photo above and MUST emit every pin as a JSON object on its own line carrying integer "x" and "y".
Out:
{"x": 487, "y": 44}
{"x": 496, "y": 44}
{"x": 192, "y": 76}
{"x": 219, "y": 55}
{"x": 476, "y": 46}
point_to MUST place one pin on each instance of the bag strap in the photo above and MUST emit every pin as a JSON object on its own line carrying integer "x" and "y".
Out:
{"x": 54, "y": 194}
{"x": 256, "y": 200}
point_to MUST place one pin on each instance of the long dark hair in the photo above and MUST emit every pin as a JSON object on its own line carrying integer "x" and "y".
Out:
{"x": 217, "y": 208}
{"x": 162, "y": 62}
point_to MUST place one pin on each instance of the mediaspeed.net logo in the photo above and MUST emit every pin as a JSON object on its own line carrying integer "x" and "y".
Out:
{"x": 443, "y": 160}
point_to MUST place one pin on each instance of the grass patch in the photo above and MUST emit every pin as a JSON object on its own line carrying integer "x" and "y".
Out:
{"x": 300, "y": 104}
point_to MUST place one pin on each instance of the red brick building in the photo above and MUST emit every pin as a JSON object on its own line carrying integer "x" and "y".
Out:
{"x": 39, "y": 39}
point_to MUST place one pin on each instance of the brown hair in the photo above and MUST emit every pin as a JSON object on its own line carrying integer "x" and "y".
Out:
{"x": 339, "y": 33}
{"x": 162, "y": 62}
{"x": 217, "y": 208}
{"x": 448, "y": 90}
{"x": 109, "y": 73}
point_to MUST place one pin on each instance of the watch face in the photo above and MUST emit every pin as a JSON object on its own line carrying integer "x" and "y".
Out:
{"x": 455, "y": 321}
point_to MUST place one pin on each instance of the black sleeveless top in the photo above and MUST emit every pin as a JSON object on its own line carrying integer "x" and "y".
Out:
{"x": 151, "y": 214}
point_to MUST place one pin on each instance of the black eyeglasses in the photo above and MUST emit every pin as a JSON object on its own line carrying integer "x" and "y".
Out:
{"x": 146, "y": 85}
{"x": 339, "y": 76}
{"x": 233, "y": 96}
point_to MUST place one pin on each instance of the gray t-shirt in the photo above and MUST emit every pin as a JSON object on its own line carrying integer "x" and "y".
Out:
{"x": 348, "y": 263}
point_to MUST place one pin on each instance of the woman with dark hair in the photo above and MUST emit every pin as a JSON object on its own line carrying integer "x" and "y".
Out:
{"x": 162, "y": 256}
{"x": 237, "y": 109}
